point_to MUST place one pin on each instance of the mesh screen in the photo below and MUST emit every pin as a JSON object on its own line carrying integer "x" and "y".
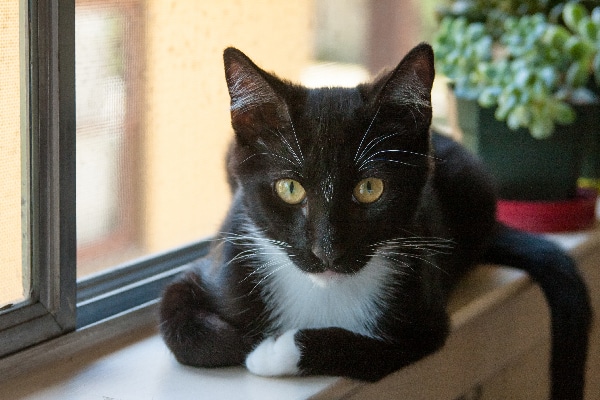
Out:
{"x": 11, "y": 281}
{"x": 105, "y": 84}
{"x": 153, "y": 116}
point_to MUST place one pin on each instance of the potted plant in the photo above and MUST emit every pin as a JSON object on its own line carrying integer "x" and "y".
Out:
{"x": 525, "y": 76}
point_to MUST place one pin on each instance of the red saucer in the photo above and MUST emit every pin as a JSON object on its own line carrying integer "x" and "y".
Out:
{"x": 550, "y": 216}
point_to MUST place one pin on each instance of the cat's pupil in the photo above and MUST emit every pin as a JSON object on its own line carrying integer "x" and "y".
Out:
{"x": 369, "y": 188}
{"x": 291, "y": 187}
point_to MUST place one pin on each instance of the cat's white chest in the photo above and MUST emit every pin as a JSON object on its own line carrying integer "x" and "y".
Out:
{"x": 297, "y": 300}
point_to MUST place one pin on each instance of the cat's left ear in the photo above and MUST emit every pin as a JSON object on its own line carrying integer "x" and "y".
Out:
{"x": 409, "y": 84}
{"x": 254, "y": 100}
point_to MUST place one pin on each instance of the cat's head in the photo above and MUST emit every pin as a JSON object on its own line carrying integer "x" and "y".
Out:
{"x": 333, "y": 173}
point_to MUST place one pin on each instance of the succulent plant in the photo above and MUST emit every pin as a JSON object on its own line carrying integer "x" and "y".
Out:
{"x": 532, "y": 66}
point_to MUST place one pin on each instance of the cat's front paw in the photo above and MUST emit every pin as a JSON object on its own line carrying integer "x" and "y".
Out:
{"x": 275, "y": 356}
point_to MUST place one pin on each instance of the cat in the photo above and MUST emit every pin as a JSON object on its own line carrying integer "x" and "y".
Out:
{"x": 350, "y": 224}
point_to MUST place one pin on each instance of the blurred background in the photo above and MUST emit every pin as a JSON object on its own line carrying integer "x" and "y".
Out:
{"x": 153, "y": 110}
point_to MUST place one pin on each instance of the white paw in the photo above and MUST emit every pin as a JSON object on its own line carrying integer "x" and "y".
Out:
{"x": 275, "y": 356}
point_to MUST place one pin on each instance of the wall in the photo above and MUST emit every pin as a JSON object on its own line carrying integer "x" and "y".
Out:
{"x": 187, "y": 106}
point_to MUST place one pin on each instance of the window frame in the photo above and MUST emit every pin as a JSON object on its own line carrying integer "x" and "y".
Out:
{"x": 133, "y": 284}
{"x": 49, "y": 128}
{"x": 59, "y": 304}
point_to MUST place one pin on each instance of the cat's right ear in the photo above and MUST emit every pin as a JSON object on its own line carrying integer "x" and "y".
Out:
{"x": 254, "y": 102}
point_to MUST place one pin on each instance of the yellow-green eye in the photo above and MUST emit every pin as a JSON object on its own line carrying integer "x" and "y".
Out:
{"x": 368, "y": 190}
{"x": 290, "y": 191}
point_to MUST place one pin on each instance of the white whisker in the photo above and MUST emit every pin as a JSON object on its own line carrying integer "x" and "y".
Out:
{"x": 295, "y": 136}
{"x": 288, "y": 146}
{"x": 269, "y": 274}
{"x": 356, "y": 156}
{"x": 364, "y": 165}
{"x": 413, "y": 247}
{"x": 251, "y": 156}
{"x": 374, "y": 143}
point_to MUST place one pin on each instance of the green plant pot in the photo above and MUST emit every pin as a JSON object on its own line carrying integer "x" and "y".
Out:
{"x": 591, "y": 159}
{"x": 526, "y": 168}
{"x": 590, "y": 171}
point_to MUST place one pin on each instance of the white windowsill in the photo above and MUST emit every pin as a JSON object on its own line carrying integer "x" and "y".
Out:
{"x": 498, "y": 317}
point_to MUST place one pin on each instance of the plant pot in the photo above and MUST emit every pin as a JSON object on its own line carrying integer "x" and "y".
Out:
{"x": 590, "y": 171}
{"x": 525, "y": 168}
{"x": 575, "y": 214}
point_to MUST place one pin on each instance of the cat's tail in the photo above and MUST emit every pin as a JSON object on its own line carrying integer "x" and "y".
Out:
{"x": 567, "y": 297}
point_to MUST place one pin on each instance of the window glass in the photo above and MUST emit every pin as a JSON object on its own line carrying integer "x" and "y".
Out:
{"x": 106, "y": 131}
{"x": 153, "y": 115}
{"x": 13, "y": 278}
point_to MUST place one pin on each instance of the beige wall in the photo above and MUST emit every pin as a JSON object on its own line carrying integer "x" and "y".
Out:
{"x": 186, "y": 126}
{"x": 187, "y": 114}
{"x": 10, "y": 155}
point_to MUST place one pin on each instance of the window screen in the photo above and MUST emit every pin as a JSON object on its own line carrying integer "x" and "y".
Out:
{"x": 13, "y": 277}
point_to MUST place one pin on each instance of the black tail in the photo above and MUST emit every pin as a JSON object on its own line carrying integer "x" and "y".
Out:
{"x": 567, "y": 298}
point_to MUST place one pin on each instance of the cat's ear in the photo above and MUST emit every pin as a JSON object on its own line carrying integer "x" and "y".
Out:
{"x": 409, "y": 84}
{"x": 254, "y": 101}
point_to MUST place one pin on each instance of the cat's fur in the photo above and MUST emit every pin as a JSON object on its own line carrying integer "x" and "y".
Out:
{"x": 333, "y": 286}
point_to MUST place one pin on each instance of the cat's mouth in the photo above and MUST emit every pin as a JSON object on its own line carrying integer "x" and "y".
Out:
{"x": 326, "y": 278}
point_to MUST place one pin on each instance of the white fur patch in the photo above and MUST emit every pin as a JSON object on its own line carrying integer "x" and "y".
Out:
{"x": 275, "y": 356}
{"x": 299, "y": 300}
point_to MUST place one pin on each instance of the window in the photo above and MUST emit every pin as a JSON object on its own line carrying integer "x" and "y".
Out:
{"x": 152, "y": 114}
{"x": 112, "y": 178}
{"x": 152, "y": 118}
{"x": 45, "y": 69}
{"x": 152, "y": 132}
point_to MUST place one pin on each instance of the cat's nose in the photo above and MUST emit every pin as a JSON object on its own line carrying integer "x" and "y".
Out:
{"x": 326, "y": 255}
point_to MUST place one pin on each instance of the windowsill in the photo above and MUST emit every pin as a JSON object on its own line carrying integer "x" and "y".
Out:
{"x": 498, "y": 303}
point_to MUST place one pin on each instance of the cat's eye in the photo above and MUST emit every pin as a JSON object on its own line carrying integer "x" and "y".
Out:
{"x": 290, "y": 191}
{"x": 368, "y": 190}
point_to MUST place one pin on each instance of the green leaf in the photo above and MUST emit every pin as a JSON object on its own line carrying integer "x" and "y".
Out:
{"x": 513, "y": 121}
{"x": 510, "y": 24}
{"x": 523, "y": 78}
{"x": 573, "y": 13}
{"x": 475, "y": 31}
{"x": 577, "y": 74}
{"x": 577, "y": 48}
{"x": 539, "y": 91}
{"x": 506, "y": 102}
{"x": 522, "y": 115}
{"x": 588, "y": 29}
{"x": 564, "y": 113}
{"x": 596, "y": 15}
{"x": 556, "y": 36}
{"x": 484, "y": 48}
{"x": 488, "y": 97}
{"x": 548, "y": 75}
{"x": 541, "y": 128}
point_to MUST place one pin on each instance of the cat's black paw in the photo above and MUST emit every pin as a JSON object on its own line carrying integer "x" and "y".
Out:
{"x": 195, "y": 334}
{"x": 275, "y": 356}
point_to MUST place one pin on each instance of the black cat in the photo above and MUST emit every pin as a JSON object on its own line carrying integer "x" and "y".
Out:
{"x": 349, "y": 226}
